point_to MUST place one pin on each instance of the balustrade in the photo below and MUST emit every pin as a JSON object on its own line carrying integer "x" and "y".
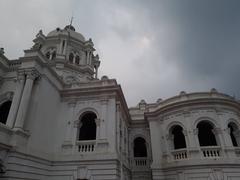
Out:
{"x": 140, "y": 162}
{"x": 211, "y": 151}
{"x": 180, "y": 154}
{"x": 86, "y": 146}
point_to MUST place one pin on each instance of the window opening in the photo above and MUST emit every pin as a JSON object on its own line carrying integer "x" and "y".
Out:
{"x": 140, "y": 149}
{"x": 77, "y": 59}
{"x": 71, "y": 58}
{"x": 205, "y": 134}
{"x": 4, "y": 111}
{"x": 178, "y": 137}
{"x": 88, "y": 128}
{"x": 233, "y": 128}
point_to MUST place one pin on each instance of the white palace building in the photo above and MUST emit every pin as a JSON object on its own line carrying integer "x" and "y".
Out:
{"x": 59, "y": 121}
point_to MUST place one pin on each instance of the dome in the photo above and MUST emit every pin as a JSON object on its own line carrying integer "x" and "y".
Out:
{"x": 68, "y": 29}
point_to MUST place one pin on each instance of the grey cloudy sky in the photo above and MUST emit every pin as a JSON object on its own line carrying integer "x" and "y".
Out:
{"x": 154, "y": 48}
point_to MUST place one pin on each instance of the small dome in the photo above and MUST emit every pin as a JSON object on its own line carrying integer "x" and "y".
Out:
{"x": 67, "y": 30}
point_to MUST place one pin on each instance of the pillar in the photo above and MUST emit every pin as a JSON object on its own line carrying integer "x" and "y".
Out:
{"x": 96, "y": 73}
{"x": 156, "y": 143}
{"x": 104, "y": 104}
{"x": 97, "y": 121}
{"x": 88, "y": 57}
{"x": 27, "y": 91}
{"x": 68, "y": 136}
{"x": 194, "y": 144}
{"x": 16, "y": 101}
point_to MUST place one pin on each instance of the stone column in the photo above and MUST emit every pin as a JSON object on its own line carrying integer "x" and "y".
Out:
{"x": 87, "y": 57}
{"x": 96, "y": 73}
{"x": 104, "y": 104}
{"x": 229, "y": 148}
{"x": 27, "y": 91}
{"x": 16, "y": 100}
{"x": 118, "y": 126}
{"x": 220, "y": 140}
{"x": 97, "y": 121}
{"x": 156, "y": 143}
{"x": 194, "y": 144}
{"x": 169, "y": 147}
{"x": 68, "y": 136}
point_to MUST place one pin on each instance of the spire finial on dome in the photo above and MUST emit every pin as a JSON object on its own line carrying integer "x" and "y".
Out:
{"x": 71, "y": 21}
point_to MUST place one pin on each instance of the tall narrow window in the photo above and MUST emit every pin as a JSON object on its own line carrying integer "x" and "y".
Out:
{"x": 88, "y": 127}
{"x": 71, "y": 56}
{"x": 140, "y": 149}
{"x": 77, "y": 60}
{"x": 54, "y": 55}
{"x": 4, "y": 111}
{"x": 205, "y": 134}
{"x": 233, "y": 128}
{"x": 178, "y": 137}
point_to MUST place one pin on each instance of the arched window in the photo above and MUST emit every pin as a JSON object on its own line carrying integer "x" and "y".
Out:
{"x": 71, "y": 56}
{"x": 48, "y": 55}
{"x": 140, "y": 149}
{"x": 233, "y": 128}
{"x": 4, "y": 111}
{"x": 77, "y": 60}
{"x": 205, "y": 134}
{"x": 53, "y": 54}
{"x": 88, "y": 127}
{"x": 178, "y": 137}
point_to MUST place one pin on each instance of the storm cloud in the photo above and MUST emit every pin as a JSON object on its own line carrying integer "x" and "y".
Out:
{"x": 154, "y": 49}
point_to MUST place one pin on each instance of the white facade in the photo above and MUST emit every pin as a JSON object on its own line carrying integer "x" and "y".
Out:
{"x": 60, "y": 122}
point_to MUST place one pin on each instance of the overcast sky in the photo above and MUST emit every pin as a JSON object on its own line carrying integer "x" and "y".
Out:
{"x": 154, "y": 48}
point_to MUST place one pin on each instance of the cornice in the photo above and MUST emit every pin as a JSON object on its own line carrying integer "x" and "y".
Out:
{"x": 191, "y": 103}
{"x": 98, "y": 89}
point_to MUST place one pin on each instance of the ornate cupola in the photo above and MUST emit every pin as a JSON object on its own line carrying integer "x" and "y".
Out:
{"x": 68, "y": 53}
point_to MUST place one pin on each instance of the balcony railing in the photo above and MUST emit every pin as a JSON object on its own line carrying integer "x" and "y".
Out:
{"x": 86, "y": 146}
{"x": 211, "y": 151}
{"x": 139, "y": 162}
{"x": 180, "y": 154}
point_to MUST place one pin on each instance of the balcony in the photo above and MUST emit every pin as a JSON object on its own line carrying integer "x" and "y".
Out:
{"x": 140, "y": 162}
{"x": 211, "y": 151}
{"x": 86, "y": 146}
{"x": 179, "y": 154}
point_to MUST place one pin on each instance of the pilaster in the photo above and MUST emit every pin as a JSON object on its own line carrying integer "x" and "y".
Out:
{"x": 16, "y": 100}
{"x": 26, "y": 95}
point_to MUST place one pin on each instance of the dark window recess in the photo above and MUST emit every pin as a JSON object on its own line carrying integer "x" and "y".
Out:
{"x": 233, "y": 128}
{"x": 178, "y": 137}
{"x": 140, "y": 149}
{"x": 205, "y": 134}
{"x": 71, "y": 57}
{"x": 77, "y": 60}
{"x": 4, "y": 111}
{"x": 54, "y": 55}
{"x": 48, "y": 55}
{"x": 88, "y": 128}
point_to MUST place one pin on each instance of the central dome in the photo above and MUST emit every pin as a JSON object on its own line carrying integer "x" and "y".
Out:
{"x": 68, "y": 30}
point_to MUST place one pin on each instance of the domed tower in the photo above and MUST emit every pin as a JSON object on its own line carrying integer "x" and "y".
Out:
{"x": 69, "y": 54}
